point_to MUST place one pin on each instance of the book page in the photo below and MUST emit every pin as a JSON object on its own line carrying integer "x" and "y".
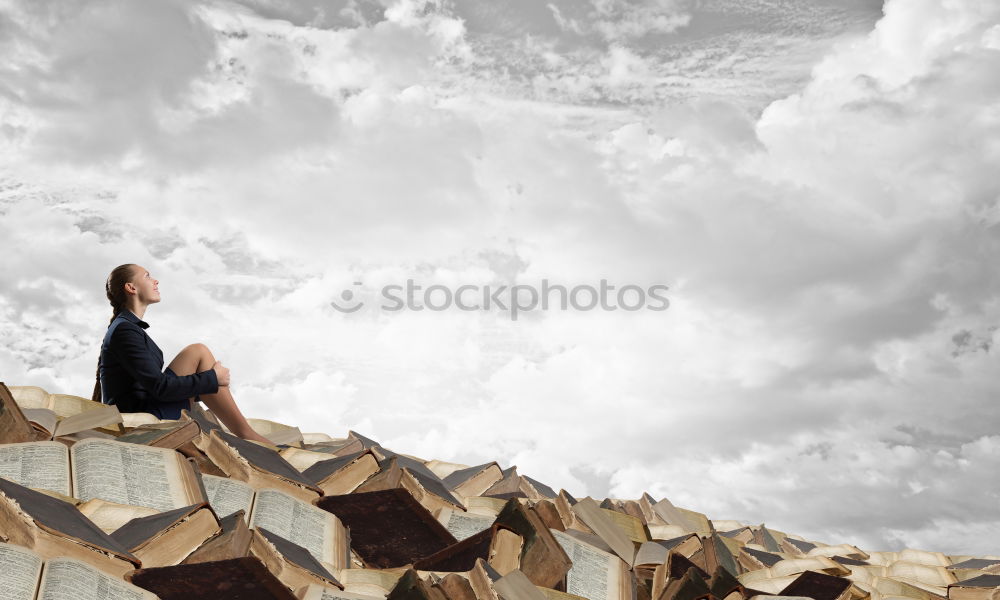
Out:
{"x": 594, "y": 574}
{"x": 42, "y": 465}
{"x": 463, "y": 525}
{"x": 21, "y": 568}
{"x": 318, "y": 592}
{"x": 227, "y": 496}
{"x": 68, "y": 579}
{"x": 127, "y": 474}
{"x": 296, "y": 521}
{"x": 30, "y": 396}
{"x": 100, "y": 416}
{"x": 43, "y": 417}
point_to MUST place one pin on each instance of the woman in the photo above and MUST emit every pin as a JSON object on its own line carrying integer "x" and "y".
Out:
{"x": 128, "y": 372}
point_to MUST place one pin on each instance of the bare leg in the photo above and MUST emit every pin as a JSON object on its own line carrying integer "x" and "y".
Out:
{"x": 197, "y": 358}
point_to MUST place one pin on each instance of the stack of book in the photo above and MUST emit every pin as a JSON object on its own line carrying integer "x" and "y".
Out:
{"x": 96, "y": 504}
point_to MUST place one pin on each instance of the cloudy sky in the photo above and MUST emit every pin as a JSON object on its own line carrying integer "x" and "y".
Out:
{"x": 814, "y": 180}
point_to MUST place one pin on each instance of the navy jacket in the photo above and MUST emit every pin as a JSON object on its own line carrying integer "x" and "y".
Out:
{"x": 132, "y": 377}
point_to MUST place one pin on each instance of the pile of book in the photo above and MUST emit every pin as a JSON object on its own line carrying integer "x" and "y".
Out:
{"x": 99, "y": 505}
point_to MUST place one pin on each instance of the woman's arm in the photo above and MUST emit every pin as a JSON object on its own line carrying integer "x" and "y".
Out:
{"x": 128, "y": 343}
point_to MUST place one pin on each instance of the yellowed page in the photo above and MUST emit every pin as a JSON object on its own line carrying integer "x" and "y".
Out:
{"x": 127, "y": 474}
{"x": 516, "y": 586}
{"x": 110, "y": 516}
{"x": 30, "y": 396}
{"x": 68, "y": 579}
{"x": 39, "y": 465}
{"x": 66, "y": 405}
{"x": 317, "y": 592}
{"x": 101, "y": 416}
{"x": 595, "y": 573}
{"x": 21, "y": 570}
{"x": 297, "y": 521}
{"x": 227, "y": 496}
{"x": 368, "y": 581}
{"x": 463, "y": 525}
{"x": 303, "y": 459}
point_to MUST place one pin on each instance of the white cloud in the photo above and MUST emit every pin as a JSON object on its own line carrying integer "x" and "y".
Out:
{"x": 829, "y": 354}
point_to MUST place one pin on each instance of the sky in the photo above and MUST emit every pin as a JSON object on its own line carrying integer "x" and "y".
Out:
{"x": 810, "y": 180}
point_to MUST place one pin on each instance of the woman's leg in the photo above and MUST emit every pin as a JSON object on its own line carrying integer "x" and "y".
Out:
{"x": 197, "y": 358}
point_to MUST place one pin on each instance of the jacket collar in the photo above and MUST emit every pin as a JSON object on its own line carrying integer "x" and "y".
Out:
{"x": 130, "y": 316}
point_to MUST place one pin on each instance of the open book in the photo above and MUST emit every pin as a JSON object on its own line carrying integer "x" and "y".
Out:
{"x": 316, "y": 530}
{"x": 118, "y": 472}
{"x": 28, "y": 576}
{"x": 595, "y": 574}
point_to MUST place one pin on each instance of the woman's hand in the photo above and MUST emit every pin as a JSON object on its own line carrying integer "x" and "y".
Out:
{"x": 221, "y": 373}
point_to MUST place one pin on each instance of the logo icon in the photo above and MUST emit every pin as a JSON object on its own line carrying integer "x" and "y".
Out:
{"x": 348, "y": 296}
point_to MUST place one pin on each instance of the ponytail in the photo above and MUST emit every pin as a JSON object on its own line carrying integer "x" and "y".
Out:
{"x": 114, "y": 288}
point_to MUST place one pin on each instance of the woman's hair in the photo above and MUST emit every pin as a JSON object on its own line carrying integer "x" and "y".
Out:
{"x": 114, "y": 287}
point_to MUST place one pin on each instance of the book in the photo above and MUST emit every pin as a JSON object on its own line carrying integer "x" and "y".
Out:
{"x": 463, "y": 524}
{"x": 474, "y": 481}
{"x": 595, "y": 574}
{"x": 244, "y": 578}
{"x": 372, "y": 582}
{"x": 293, "y": 564}
{"x": 49, "y": 425}
{"x": 819, "y": 586}
{"x": 258, "y": 466}
{"x": 604, "y": 527}
{"x": 302, "y": 459}
{"x": 343, "y": 474}
{"x": 28, "y": 576}
{"x": 983, "y": 587}
{"x": 14, "y": 427}
{"x": 167, "y": 538}
{"x": 543, "y": 559}
{"x": 389, "y": 528}
{"x": 232, "y": 542}
{"x": 323, "y": 534}
{"x": 110, "y": 516}
{"x": 516, "y": 586}
{"x": 278, "y": 433}
{"x": 115, "y": 471}
{"x": 397, "y": 471}
{"x": 315, "y": 591}
{"x": 52, "y": 527}
{"x": 170, "y": 434}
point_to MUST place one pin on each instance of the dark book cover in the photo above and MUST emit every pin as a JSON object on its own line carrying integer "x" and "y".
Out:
{"x": 767, "y": 539}
{"x": 460, "y": 556}
{"x": 63, "y": 519}
{"x": 803, "y": 547}
{"x": 853, "y": 562}
{"x": 138, "y": 531}
{"x": 690, "y": 586}
{"x": 205, "y": 420}
{"x": 768, "y": 559}
{"x": 817, "y": 586}
{"x": 722, "y": 583}
{"x": 324, "y": 468}
{"x": 975, "y": 563}
{"x": 389, "y": 528}
{"x": 411, "y": 587}
{"x": 267, "y": 460}
{"x": 678, "y": 564}
{"x": 980, "y": 581}
{"x": 297, "y": 555}
{"x": 366, "y": 442}
{"x": 427, "y": 478}
{"x": 243, "y": 578}
{"x": 161, "y": 437}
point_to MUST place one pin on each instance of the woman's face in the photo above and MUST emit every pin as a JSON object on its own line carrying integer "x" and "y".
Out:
{"x": 146, "y": 288}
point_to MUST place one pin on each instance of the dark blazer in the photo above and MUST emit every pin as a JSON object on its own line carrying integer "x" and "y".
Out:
{"x": 131, "y": 374}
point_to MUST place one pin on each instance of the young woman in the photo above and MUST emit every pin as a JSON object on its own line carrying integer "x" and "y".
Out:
{"x": 128, "y": 372}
